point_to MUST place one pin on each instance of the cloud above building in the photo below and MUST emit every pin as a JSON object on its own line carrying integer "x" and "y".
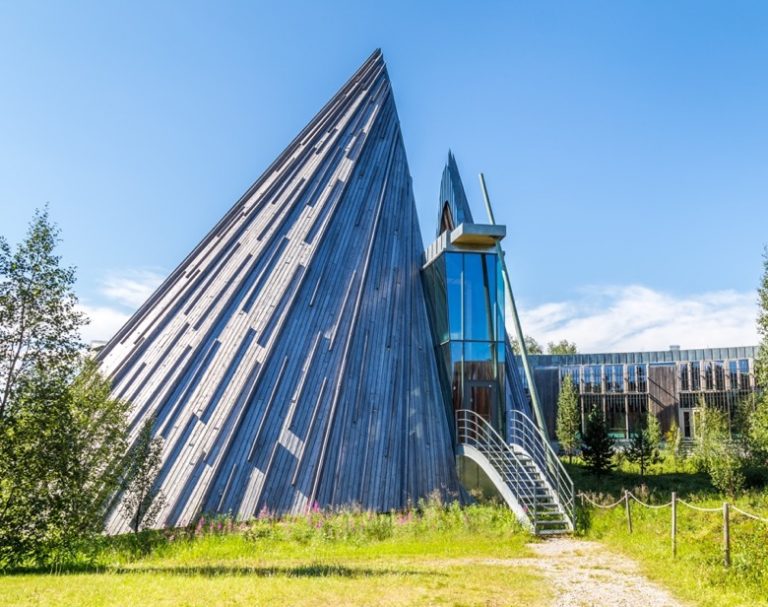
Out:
{"x": 618, "y": 318}
{"x": 625, "y": 318}
{"x": 121, "y": 295}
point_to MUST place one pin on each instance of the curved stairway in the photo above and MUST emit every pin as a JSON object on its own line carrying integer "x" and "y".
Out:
{"x": 526, "y": 472}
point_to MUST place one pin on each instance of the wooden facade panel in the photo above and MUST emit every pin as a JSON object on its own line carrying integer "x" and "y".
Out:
{"x": 288, "y": 359}
{"x": 662, "y": 392}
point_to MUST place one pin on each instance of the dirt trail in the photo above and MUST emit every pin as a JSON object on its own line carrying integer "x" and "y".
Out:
{"x": 586, "y": 574}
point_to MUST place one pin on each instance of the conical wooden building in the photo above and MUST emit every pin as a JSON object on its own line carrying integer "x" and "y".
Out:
{"x": 288, "y": 360}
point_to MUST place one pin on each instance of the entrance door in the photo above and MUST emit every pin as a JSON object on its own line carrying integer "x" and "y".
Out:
{"x": 689, "y": 418}
{"x": 481, "y": 398}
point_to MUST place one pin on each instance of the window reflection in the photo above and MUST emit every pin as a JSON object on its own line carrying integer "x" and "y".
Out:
{"x": 473, "y": 333}
{"x": 453, "y": 272}
{"x": 479, "y": 297}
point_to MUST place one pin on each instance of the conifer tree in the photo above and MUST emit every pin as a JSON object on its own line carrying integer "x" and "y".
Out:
{"x": 568, "y": 417}
{"x": 597, "y": 450}
{"x": 643, "y": 446}
{"x": 654, "y": 430}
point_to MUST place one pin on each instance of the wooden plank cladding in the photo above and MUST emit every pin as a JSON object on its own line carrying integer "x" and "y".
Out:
{"x": 288, "y": 360}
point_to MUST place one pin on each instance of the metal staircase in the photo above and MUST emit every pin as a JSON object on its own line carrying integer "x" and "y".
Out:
{"x": 526, "y": 472}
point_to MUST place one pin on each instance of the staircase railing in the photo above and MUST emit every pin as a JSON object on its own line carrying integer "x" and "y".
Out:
{"x": 525, "y": 433}
{"x": 472, "y": 429}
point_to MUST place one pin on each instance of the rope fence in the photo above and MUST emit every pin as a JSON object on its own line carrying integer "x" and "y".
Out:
{"x": 725, "y": 509}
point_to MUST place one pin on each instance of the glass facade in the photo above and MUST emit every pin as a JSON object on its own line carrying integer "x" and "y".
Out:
{"x": 624, "y": 392}
{"x": 466, "y": 296}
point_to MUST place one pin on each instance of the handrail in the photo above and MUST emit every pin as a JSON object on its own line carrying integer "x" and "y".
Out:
{"x": 473, "y": 429}
{"x": 525, "y": 433}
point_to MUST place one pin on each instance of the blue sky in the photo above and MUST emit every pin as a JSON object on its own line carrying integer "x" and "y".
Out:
{"x": 625, "y": 144}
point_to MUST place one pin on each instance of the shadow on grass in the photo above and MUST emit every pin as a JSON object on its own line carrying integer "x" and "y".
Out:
{"x": 661, "y": 485}
{"x": 297, "y": 571}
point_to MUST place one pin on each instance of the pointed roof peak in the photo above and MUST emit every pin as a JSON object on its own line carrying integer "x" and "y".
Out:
{"x": 452, "y": 194}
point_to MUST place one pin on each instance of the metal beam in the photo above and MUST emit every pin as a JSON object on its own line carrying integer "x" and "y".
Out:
{"x": 537, "y": 410}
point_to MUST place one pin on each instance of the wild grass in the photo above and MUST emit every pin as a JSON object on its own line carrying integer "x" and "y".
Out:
{"x": 697, "y": 574}
{"x": 434, "y": 555}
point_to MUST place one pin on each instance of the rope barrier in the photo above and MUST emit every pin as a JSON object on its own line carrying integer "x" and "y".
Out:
{"x": 699, "y": 508}
{"x": 725, "y": 509}
{"x": 749, "y": 514}
{"x": 603, "y": 506}
{"x": 621, "y": 500}
{"x": 667, "y": 505}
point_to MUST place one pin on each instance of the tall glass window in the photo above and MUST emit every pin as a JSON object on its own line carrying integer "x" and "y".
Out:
{"x": 614, "y": 378}
{"x": 695, "y": 376}
{"x": 709, "y": 382}
{"x": 685, "y": 383}
{"x": 719, "y": 375}
{"x": 733, "y": 375}
{"x": 473, "y": 338}
{"x": 453, "y": 272}
{"x": 744, "y": 374}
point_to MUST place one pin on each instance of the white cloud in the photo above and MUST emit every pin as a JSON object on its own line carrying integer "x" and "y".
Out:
{"x": 105, "y": 322}
{"x": 123, "y": 293}
{"x": 635, "y": 318}
{"x": 131, "y": 288}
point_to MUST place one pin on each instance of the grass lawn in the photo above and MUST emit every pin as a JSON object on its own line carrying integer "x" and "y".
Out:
{"x": 697, "y": 574}
{"x": 337, "y": 560}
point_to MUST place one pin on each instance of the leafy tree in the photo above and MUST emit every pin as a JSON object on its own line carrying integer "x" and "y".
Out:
{"x": 722, "y": 458}
{"x": 755, "y": 421}
{"x": 568, "y": 417}
{"x": 142, "y": 501}
{"x": 39, "y": 325}
{"x": 711, "y": 427}
{"x": 761, "y": 360}
{"x": 597, "y": 449}
{"x": 562, "y": 347}
{"x": 531, "y": 346}
{"x": 726, "y": 468}
{"x": 62, "y": 438}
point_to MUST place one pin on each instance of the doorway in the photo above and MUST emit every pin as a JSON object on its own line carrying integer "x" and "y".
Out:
{"x": 481, "y": 398}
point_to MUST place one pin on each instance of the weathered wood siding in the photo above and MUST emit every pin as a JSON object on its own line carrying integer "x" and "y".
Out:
{"x": 288, "y": 359}
{"x": 662, "y": 392}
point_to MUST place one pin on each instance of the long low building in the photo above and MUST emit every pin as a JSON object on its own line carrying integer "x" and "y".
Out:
{"x": 668, "y": 383}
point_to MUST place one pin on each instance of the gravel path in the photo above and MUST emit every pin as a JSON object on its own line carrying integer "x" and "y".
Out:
{"x": 586, "y": 574}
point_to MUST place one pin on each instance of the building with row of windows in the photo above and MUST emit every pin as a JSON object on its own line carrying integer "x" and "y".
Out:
{"x": 669, "y": 383}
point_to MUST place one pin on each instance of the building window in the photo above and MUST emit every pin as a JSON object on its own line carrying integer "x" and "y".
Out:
{"x": 719, "y": 375}
{"x": 479, "y": 297}
{"x": 637, "y": 408}
{"x": 696, "y": 376}
{"x": 685, "y": 383}
{"x": 574, "y": 373}
{"x": 744, "y": 374}
{"x": 733, "y": 375}
{"x": 688, "y": 401}
{"x": 616, "y": 416}
{"x": 453, "y": 271}
{"x": 614, "y": 378}
{"x": 709, "y": 382}
{"x": 642, "y": 378}
{"x": 592, "y": 379}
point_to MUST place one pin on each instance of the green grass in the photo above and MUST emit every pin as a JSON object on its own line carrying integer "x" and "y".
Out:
{"x": 697, "y": 574}
{"x": 441, "y": 556}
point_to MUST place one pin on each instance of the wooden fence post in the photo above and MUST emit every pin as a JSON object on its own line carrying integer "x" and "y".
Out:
{"x": 726, "y": 536}
{"x": 629, "y": 513}
{"x": 674, "y": 524}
